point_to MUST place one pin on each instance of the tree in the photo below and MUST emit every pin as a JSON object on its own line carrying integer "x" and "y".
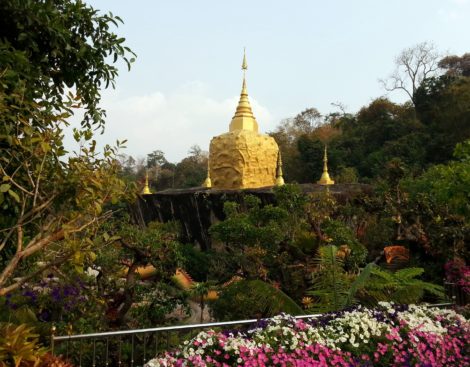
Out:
{"x": 54, "y": 58}
{"x": 156, "y": 159}
{"x": 286, "y": 138}
{"x": 307, "y": 120}
{"x": 378, "y": 133}
{"x": 200, "y": 291}
{"x": 50, "y": 47}
{"x": 443, "y": 106}
{"x": 456, "y": 65}
{"x": 252, "y": 236}
{"x": 412, "y": 66}
{"x": 192, "y": 170}
{"x": 439, "y": 205}
{"x": 151, "y": 252}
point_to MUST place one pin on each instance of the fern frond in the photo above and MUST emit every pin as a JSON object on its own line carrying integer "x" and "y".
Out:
{"x": 274, "y": 299}
{"x": 434, "y": 289}
{"x": 401, "y": 286}
{"x": 359, "y": 282}
{"x": 409, "y": 273}
{"x": 410, "y": 294}
{"x": 383, "y": 274}
{"x": 330, "y": 280}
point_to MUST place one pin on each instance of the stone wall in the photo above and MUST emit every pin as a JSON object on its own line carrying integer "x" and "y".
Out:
{"x": 198, "y": 208}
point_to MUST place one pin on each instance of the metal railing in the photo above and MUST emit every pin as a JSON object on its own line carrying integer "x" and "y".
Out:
{"x": 132, "y": 347}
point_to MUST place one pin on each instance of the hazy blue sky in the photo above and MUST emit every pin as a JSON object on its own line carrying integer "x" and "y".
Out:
{"x": 184, "y": 85}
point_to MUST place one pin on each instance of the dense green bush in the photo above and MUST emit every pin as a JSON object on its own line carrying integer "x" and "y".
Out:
{"x": 343, "y": 237}
{"x": 252, "y": 299}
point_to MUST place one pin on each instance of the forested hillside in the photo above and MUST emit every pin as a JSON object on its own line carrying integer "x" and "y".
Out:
{"x": 415, "y": 135}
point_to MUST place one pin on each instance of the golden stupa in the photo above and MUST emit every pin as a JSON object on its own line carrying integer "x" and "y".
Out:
{"x": 279, "y": 178}
{"x": 325, "y": 176}
{"x": 146, "y": 189}
{"x": 242, "y": 158}
{"x": 207, "y": 182}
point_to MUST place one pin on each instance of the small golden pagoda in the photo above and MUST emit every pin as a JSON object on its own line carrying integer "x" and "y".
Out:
{"x": 325, "y": 176}
{"x": 279, "y": 178}
{"x": 207, "y": 182}
{"x": 242, "y": 158}
{"x": 146, "y": 189}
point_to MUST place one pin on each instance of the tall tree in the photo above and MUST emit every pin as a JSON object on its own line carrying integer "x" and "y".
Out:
{"x": 456, "y": 65}
{"x": 443, "y": 106}
{"x": 307, "y": 120}
{"x": 412, "y": 66}
{"x": 54, "y": 57}
{"x": 156, "y": 159}
{"x": 192, "y": 170}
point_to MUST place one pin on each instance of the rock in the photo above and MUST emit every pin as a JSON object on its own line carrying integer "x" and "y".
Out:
{"x": 197, "y": 209}
{"x": 243, "y": 159}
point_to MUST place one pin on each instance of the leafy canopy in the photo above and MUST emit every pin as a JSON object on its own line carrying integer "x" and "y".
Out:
{"x": 55, "y": 56}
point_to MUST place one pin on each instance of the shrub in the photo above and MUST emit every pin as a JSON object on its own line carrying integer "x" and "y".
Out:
{"x": 252, "y": 299}
{"x": 19, "y": 346}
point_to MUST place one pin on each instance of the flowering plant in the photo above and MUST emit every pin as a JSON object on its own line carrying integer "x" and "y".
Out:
{"x": 459, "y": 273}
{"x": 388, "y": 335}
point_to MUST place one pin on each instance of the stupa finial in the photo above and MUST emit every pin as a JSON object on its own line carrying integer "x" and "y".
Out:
{"x": 243, "y": 118}
{"x": 146, "y": 189}
{"x": 207, "y": 182}
{"x": 244, "y": 63}
{"x": 279, "y": 178}
{"x": 244, "y": 68}
{"x": 325, "y": 177}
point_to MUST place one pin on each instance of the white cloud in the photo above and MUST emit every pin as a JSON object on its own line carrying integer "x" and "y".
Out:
{"x": 171, "y": 122}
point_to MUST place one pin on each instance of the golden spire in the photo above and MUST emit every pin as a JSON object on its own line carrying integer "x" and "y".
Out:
{"x": 146, "y": 189}
{"x": 244, "y": 63}
{"x": 207, "y": 182}
{"x": 243, "y": 118}
{"x": 279, "y": 178}
{"x": 325, "y": 177}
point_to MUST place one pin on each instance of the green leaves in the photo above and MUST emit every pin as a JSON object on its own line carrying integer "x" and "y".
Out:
{"x": 401, "y": 286}
{"x": 253, "y": 298}
{"x": 19, "y": 345}
{"x": 359, "y": 283}
{"x": 14, "y": 195}
{"x": 5, "y": 187}
{"x": 329, "y": 281}
{"x": 54, "y": 59}
{"x": 67, "y": 44}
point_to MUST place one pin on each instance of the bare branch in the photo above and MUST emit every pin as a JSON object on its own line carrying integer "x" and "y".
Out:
{"x": 36, "y": 245}
{"x": 28, "y": 217}
{"x": 412, "y": 66}
{"x": 14, "y": 182}
{"x": 36, "y": 187}
{"x": 23, "y": 280}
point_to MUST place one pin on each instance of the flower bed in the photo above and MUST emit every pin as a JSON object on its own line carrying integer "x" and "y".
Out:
{"x": 388, "y": 335}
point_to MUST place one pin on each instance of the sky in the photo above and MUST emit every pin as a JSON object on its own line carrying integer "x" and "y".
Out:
{"x": 185, "y": 83}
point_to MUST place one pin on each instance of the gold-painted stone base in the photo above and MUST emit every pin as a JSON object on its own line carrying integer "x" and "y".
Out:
{"x": 325, "y": 179}
{"x": 243, "y": 159}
